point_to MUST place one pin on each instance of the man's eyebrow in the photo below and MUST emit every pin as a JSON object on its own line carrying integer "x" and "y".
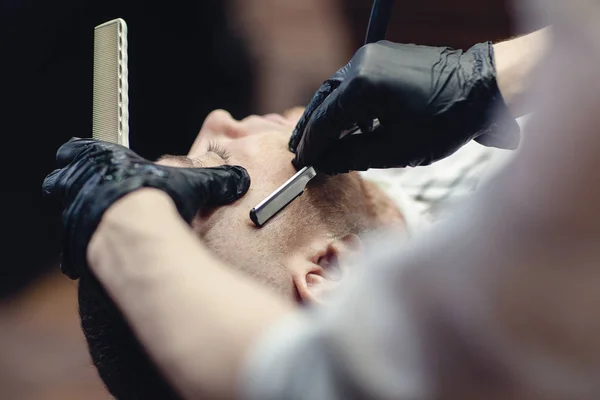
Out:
{"x": 189, "y": 162}
{"x": 197, "y": 162}
{"x": 183, "y": 160}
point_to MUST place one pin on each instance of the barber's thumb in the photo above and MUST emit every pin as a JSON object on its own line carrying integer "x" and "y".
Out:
{"x": 225, "y": 184}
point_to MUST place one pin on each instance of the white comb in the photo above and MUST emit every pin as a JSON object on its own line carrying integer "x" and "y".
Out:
{"x": 110, "y": 117}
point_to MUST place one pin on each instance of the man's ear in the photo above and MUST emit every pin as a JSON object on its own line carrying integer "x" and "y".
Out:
{"x": 316, "y": 279}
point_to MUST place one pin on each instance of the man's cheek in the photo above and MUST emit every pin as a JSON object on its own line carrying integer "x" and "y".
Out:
{"x": 207, "y": 220}
{"x": 202, "y": 222}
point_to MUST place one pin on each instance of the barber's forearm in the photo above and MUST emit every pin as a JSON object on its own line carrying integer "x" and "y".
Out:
{"x": 516, "y": 60}
{"x": 195, "y": 316}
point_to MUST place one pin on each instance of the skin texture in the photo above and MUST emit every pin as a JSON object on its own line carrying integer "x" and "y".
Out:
{"x": 516, "y": 60}
{"x": 303, "y": 251}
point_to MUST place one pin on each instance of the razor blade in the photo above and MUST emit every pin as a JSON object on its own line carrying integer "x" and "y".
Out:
{"x": 281, "y": 197}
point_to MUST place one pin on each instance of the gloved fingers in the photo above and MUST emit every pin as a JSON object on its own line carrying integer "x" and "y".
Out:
{"x": 353, "y": 153}
{"x": 321, "y": 94}
{"x": 221, "y": 185}
{"x": 390, "y": 45}
{"x": 71, "y": 149}
{"x": 346, "y": 107}
{"x": 505, "y": 135}
{"x": 325, "y": 90}
{"x": 361, "y": 152}
{"x": 65, "y": 182}
{"x": 208, "y": 187}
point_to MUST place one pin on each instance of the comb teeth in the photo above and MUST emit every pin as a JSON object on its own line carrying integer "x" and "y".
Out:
{"x": 110, "y": 117}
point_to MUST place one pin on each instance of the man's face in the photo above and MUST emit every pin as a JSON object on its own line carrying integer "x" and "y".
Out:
{"x": 304, "y": 250}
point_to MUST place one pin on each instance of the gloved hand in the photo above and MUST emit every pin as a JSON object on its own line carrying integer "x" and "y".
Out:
{"x": 429, "y": 102}
{"x": 94, "y": 174}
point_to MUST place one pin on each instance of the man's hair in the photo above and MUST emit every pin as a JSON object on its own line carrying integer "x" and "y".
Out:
{"x": 121, "y": 361}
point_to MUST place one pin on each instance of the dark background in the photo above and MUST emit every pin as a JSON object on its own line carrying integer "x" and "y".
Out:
{"x": 45, "y": 87}
{"x": 454, "y": 23}
{"x": 183, "y": 63}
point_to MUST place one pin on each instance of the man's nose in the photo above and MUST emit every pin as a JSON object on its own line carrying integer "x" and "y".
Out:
{"x": 221, "y": 123}
{"x": 219, "y": 126}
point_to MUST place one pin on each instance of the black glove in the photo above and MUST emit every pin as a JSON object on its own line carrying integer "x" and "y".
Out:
{"x": 93, "y": 175}
{"x": 429, "y": 102}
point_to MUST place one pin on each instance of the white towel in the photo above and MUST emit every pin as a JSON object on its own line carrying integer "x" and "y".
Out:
{"x": 425, "y": 194}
